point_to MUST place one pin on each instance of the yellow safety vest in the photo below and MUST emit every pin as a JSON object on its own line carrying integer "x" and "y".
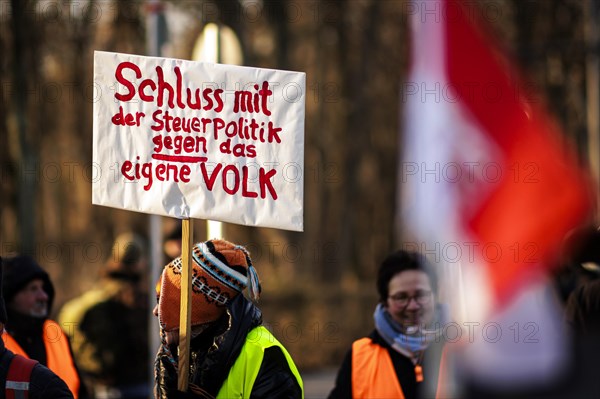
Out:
{"x": 242, "y": 375}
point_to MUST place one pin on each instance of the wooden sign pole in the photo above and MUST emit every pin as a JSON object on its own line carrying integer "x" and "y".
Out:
{"x": 187, "y": 234}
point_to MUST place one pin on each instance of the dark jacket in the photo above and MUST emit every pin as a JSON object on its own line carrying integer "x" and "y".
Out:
{"x": 109, "y": 356}
{"x": 403, "y": 366}
{"x": 25, "y": 329}
{"x": 44, "y": 384}
{"x": 213, "y": 353}
{"x": 583, "y": 309}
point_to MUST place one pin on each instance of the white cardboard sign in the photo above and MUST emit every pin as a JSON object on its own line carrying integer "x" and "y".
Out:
{"x": 199, "y": 140}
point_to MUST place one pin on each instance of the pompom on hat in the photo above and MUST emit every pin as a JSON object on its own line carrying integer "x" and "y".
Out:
{"x": 220, "y": 271}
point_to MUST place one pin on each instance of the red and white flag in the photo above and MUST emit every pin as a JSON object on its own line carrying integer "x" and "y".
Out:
{"x": 483, "y": 165}
{"x": 486, "y": 181}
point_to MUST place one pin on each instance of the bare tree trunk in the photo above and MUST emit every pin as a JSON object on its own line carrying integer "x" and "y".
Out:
{"x": 592, "y": 66}
{"x": 28, "y": 158}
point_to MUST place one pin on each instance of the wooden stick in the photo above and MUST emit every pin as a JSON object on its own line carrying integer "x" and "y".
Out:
{"x": 185, "y": 314}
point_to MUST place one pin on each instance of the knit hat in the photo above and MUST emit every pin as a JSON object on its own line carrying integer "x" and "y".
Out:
{"x": 18, "y": 272}
{"x": 3, "y": 317}
{"x": 220, "y": 271}
{"x": 127, "y": 252}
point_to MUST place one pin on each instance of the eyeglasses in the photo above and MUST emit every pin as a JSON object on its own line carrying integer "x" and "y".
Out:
{"x": 402, "y": 300}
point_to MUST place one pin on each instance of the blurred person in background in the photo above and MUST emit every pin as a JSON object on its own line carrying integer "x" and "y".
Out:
{"x": 42, "y": 382}
{"x": 401, "y": 357}
{"x": 29, "y": 294}
{"x": 172, "y": 243}
{"x": 579, "y": 280}
{"x": 581, "y": 260}
{"x": 231, "y": 354}
{"x": 582, "y": 311}
{"x": 107, "y": 325}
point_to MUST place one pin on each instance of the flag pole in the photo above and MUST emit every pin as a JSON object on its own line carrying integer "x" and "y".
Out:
{"x": 156, "y": 37}
{"x": 185, "y": 314}
{"x": 209, "y": 47}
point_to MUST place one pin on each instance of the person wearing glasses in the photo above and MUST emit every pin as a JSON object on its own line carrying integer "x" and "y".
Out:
{"x": 401, "y": 357}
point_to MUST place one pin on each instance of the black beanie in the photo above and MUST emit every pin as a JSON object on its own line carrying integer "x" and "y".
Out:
{"x": 18, "y": 272}
{"x": 3, "y": 317}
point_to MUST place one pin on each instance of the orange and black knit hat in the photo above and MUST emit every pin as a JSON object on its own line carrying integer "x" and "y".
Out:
{"x": 220, "y": 271}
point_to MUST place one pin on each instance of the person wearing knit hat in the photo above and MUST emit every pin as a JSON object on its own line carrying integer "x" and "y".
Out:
{"x": 114, "y": 361}
{"x": 43, "y": 383}
{"x": 28, "y": 295}
{"x": 231, "y": 353}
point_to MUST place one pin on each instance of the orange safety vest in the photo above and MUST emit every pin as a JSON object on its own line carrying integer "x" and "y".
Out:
{"x": 373, "y": 373}
{"x": 58, "y": 354}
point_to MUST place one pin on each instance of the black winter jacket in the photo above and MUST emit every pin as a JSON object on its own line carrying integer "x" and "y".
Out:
{"x": 213, "y": 353}
{"x": 27, "y": 330}
{"x": 44, "y": 384}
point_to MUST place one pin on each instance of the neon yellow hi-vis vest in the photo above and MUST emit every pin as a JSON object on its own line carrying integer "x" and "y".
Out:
{"x": 242, "y": 375}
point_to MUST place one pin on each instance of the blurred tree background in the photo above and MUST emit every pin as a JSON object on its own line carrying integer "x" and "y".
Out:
{"x": 319, "y": 290}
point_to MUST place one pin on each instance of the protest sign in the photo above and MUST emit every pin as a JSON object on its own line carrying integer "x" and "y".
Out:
{"x": 199, "y": 140}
